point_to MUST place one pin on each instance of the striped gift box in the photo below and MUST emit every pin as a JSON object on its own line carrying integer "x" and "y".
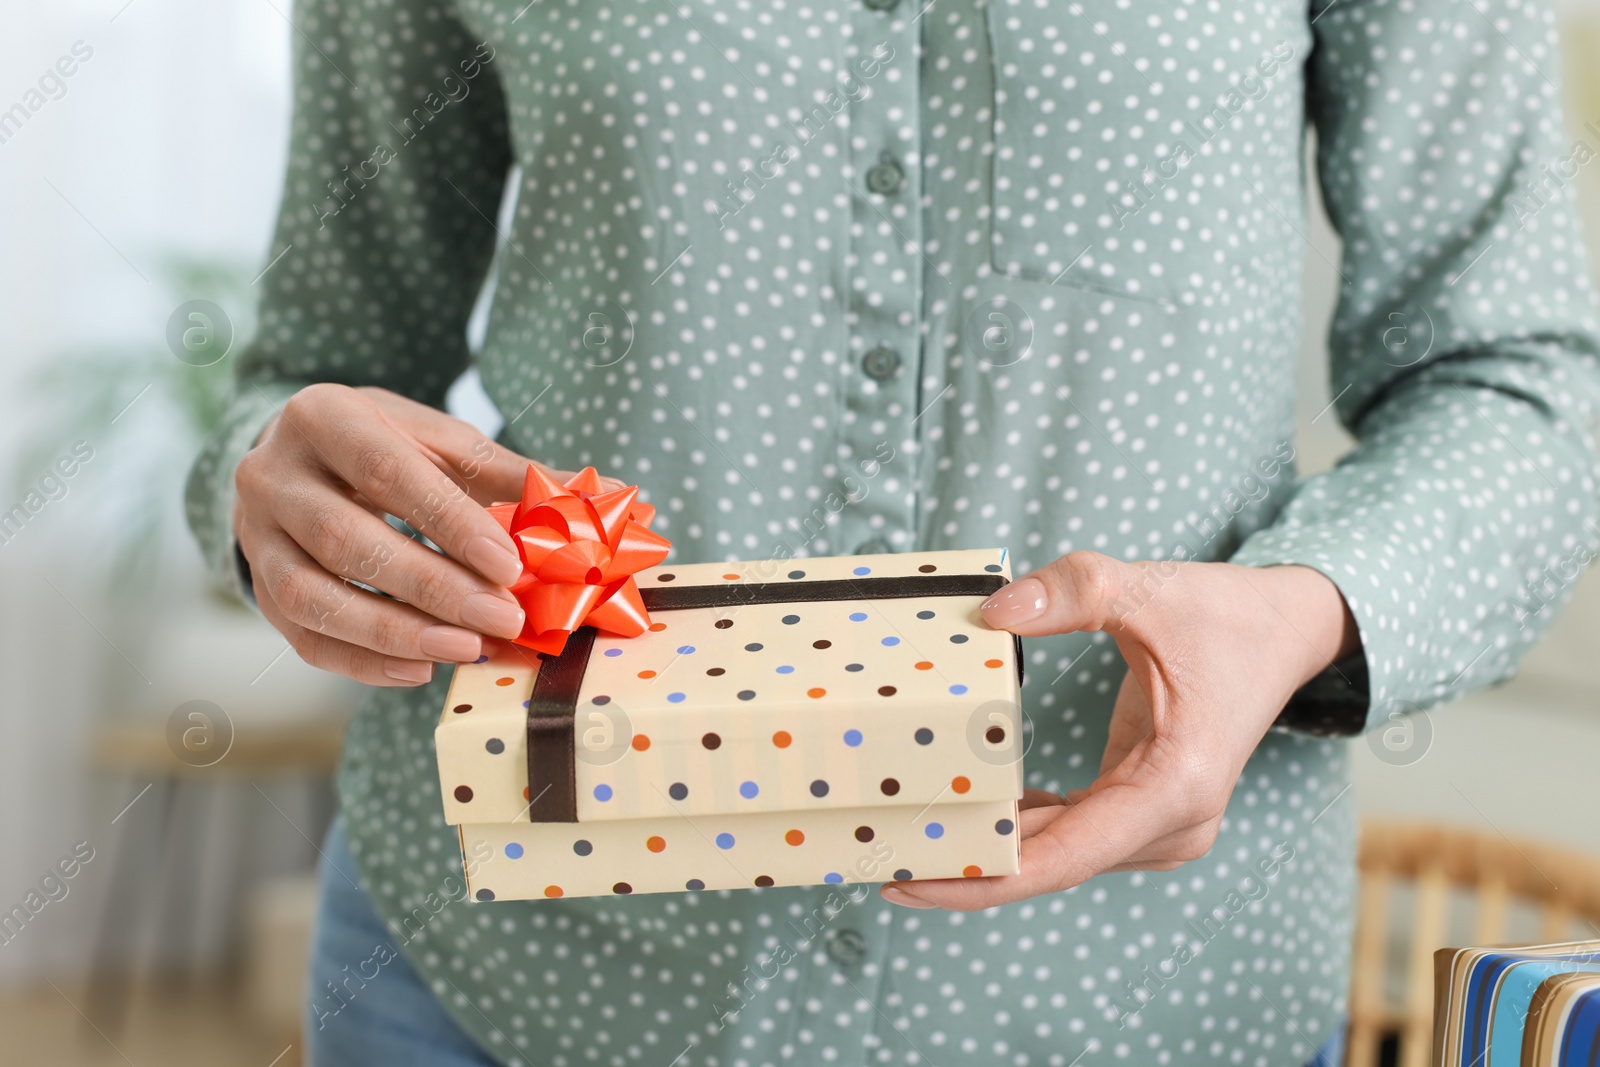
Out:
{"x": 1504, "y": 1007}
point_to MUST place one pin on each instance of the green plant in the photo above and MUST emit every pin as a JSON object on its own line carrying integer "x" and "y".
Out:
{"x": 145, "y": 412}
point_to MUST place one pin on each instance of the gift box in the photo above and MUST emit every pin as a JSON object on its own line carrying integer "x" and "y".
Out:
{"x": 782, "y": 722}
{"x": 1535, "y": 1006}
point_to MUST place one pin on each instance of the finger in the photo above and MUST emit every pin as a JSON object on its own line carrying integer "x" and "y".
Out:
{"x": 330, "y": 654}
{"x": 1147, "y": 867}
{"x": 1040, "y": 798}
{"x": 362, "y": 664}
{"x": 1111, "y": 825}
{"x": 1035, "y": 810}
{"x": 1162, "y": 854}
{"x": 1169, "y": 853}
{"x": 349, "y": 541}
{"x": 383, "y": 465}
{"x": 310, "y": 597}
{"x": 1079, "y": 591}
{"x": 487, "y": 470}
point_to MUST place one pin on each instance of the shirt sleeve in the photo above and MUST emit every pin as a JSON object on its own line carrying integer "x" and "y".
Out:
{"x": 398, "y": 154}
{"x": 1463, "y": 353}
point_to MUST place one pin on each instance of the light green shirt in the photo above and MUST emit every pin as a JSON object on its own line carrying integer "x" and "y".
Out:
{"x": 873, "y": 275}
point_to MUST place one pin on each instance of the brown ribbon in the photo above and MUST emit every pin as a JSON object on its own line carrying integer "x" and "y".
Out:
{"x": 552, "y": 772}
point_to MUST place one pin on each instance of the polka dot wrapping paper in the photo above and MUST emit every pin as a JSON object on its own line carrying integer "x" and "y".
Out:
{"x": 755, "y": 743}
{"x": 522, "y": 861}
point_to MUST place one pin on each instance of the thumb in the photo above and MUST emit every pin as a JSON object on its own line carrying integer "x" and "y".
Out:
{"x": 1079, "y": 591}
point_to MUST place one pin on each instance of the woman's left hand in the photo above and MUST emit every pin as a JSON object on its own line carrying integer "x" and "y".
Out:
{"x": 1214, "y": 652}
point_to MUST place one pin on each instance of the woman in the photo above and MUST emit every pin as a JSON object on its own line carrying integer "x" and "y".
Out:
{"x": 872, "y": 275}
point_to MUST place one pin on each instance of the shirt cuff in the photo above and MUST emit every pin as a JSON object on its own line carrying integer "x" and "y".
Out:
{"x": 210, "y": 495}
{"x": 241, "y": 573}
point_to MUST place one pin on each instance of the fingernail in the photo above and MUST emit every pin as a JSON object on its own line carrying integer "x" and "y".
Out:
{"x": 1019, "y": 602}
{"x": 895, "y": 895}
{"x": 408, "y": 670}
{"x": 495, "y": 562}
{"x": 492, "y": 615}
{"x": 450, "y": 644}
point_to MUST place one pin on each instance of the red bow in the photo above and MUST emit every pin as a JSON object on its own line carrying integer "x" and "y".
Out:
{"x": 580, "y": 549}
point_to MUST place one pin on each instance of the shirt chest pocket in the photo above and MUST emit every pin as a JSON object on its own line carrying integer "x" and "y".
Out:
{"x": 1114, "y": 130}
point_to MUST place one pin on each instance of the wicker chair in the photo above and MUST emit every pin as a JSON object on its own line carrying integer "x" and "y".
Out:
{"x": 1553, "y": 892}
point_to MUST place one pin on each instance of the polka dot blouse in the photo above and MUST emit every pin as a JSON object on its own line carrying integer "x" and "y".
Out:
{"x": 851, "y": 276}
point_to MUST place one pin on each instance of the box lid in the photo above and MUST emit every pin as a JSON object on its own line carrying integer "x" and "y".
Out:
{"x": 801, "y": 704}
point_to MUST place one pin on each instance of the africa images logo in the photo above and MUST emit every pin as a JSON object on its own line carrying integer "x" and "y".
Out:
{"x": 50, "y": 85}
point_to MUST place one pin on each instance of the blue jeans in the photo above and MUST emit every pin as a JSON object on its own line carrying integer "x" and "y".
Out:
{"x": 1332, "y": 1053}
{"x": 367, "y": 1006}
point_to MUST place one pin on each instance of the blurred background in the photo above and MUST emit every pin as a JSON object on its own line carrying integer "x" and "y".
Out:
{"x": 166, "y": 747}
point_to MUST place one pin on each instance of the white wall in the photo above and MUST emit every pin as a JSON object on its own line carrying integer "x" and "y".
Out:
{"x": 169, "y": 138}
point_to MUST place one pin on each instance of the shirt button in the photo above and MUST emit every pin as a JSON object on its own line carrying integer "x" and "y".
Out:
{"x": 872, "y": 548}
{"x": 881, "y": 363}
{"x": 880, "y": 5}
{"x": 885, "y": 178}
{"x": 847, "y": 947}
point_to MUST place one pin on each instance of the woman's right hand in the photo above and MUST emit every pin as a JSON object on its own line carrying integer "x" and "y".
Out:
{"x": 312, "y": 495}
